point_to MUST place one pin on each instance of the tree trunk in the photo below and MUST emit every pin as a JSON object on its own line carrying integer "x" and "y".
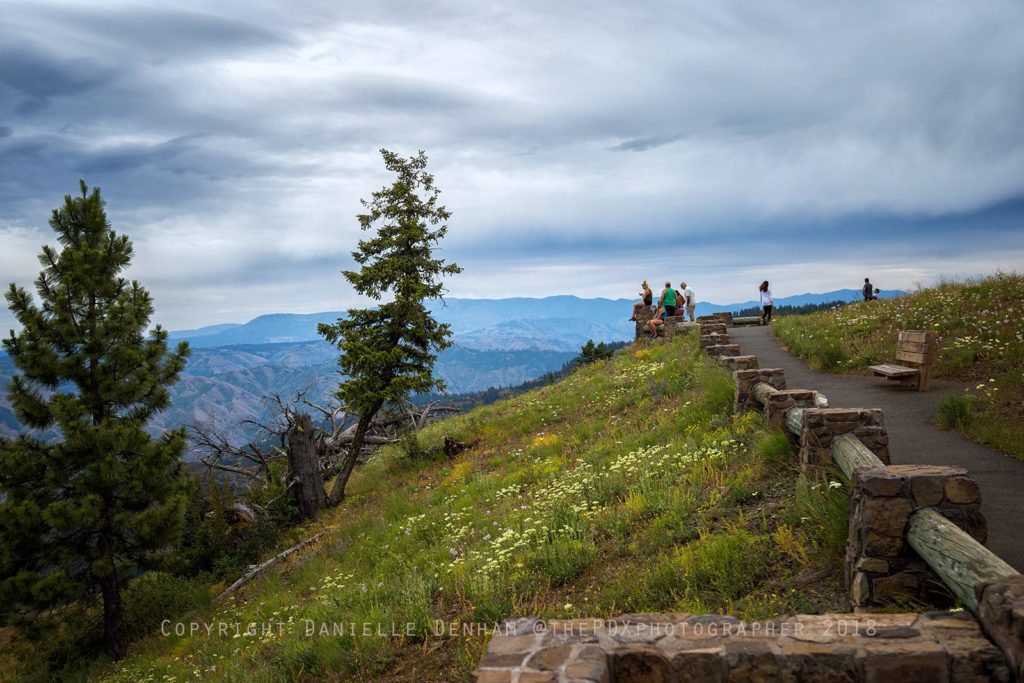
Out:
{"x": 354, "y": 448}
{"x": 115, "y": 638}
{"x": 304, "y": 468}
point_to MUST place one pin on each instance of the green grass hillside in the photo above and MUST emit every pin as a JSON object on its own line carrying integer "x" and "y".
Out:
{"x": 980, "y": 324}
{"x": 629, "y": 486}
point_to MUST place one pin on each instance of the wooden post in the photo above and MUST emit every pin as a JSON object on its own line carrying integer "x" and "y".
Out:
{"x": 959, "y": 560}
{"x": 304, "y": 473}
{"x": 849, "y": 453}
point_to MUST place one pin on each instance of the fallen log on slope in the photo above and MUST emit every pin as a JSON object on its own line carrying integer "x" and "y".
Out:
{"x": 257, "y": 569}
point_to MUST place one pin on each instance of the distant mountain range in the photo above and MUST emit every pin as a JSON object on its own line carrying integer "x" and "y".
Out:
{"x": 231, "y": 383}
{"x": 498, "y": 342}
{"x": 554, "y": 322}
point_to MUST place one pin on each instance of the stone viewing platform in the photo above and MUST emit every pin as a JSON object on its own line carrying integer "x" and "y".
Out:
{"x": 667, "y": 648}
{"x": 674, "y": 325}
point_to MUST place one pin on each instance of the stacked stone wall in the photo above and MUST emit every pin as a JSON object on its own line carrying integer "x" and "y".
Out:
{"x": 881, "y": 567}
{"x": 821, "y": 425}
{"x": 781, "y": 401}
{"x": 743, "y": 394}
{"x": 733, "y": 363}
{"x": 677, "y": 648}
{"x": 643, "y": 315}
{"x": 1001, "y": 612}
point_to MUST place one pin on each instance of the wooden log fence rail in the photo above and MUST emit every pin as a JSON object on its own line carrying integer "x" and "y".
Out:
{"x": 762, "y": 391}
{"x": 960, "y": 561}
{"x": 849, "y": 454}
{"x": 904, "y": 519}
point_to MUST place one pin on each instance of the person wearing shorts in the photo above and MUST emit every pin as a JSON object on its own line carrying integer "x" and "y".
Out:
{"x": 689, "y": 298}
{"x": 657, "y": 321}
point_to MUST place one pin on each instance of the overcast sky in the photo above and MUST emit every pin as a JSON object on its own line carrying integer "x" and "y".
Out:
{"x": 581, "y": 146}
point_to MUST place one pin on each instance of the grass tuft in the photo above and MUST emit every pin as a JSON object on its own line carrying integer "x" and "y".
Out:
{"x": 955, "y": 412}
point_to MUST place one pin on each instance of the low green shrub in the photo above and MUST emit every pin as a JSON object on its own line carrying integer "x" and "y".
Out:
{"x": 955, "y": 412}
{"x": 728, "y": 564}
{"x": 156, "y": 596}
{"x": 830, "y": 356}
{"x": 821, "y": 511}
{"x": 564, "y": 559}
{"x": 775, "y": 451}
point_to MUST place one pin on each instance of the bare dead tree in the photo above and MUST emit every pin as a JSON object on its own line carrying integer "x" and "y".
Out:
{"x": 250, "y": 460}
{"x": 313, "y": 453}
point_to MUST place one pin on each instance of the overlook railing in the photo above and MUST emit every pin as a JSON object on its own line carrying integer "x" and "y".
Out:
{"x": 905, "y": 520}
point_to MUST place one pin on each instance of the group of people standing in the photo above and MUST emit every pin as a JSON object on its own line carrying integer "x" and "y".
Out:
{"x": 682, "y": 302}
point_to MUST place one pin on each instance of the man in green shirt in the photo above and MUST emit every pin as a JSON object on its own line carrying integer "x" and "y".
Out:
{"x": 668, "y": 300}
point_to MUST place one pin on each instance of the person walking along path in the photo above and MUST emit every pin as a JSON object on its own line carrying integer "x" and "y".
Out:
{"x": 913, "y": 440}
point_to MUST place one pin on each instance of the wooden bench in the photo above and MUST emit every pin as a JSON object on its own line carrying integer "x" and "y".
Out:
{"x": 919, "y": 351}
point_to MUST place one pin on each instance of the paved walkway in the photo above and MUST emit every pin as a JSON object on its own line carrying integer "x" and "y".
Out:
{"x": 912, "y": 438}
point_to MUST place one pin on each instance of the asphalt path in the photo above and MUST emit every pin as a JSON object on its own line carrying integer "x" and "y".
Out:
{"x": 913, "y": 439}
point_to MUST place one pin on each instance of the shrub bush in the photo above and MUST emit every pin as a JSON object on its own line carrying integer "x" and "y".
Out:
{"x": 955, "y": 412}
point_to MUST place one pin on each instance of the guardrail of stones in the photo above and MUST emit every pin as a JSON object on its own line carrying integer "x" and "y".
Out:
{"x": 908, "y": 524}
{"x": 915, "y": 531}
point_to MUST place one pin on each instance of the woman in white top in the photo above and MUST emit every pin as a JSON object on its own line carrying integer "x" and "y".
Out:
{"x": 766, "y": 304}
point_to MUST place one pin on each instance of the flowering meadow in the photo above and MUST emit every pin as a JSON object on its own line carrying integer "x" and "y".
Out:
{"x": 980, "y": 325}
{"x": 628, "y": 486}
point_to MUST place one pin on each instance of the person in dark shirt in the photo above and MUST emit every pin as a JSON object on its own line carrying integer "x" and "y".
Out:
{"x": 868, "y": 290}
{"x": 647, "y": 297}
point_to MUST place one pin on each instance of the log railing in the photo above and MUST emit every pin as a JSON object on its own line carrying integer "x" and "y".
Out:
{"x": 959, "y": 560}
{"x": 849, "y": 454}
{"x": 906, "y": 511}
{"x": 762, "y": 392}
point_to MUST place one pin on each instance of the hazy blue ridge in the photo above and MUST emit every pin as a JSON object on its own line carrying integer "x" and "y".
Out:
{"x": 498, "y": 343}
{"x": 480, "y": 322}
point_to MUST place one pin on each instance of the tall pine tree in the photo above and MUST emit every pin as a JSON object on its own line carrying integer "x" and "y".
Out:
{"x": 85, "y": 512}
{"x": 388, "y": 352}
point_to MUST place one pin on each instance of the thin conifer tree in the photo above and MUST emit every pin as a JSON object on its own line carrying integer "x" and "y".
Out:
{"x": 84, "y": 512}
{"x": 388, "y": 351}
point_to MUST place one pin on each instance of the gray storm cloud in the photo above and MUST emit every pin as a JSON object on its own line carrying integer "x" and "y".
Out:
{"x": 233, "y": 141}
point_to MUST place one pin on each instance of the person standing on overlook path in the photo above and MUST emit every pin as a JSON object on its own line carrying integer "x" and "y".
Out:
{"x": 767, "y": 305}
{"x": 668, "y": 300}
{"x": 868, "y": 290}
{"x": 689, "y": 299}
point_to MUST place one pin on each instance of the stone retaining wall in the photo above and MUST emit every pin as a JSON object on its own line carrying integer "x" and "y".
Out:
{"x": 679, "y": 326}
{"x": 821, "y": 425}
{"x": 733, "y": 363}
{"x": 743, "y": 395}
{"x": 713, "y": 339}
{"x": 714, "y": 327}
{"x": 642, "y": 317}
{"x": 670, "y": 648}
{"x": 1001, "y": 612}
{"x": 720, "y": 350}
{"x": 781, "y": 401}
{"x": 881, "y": 567}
